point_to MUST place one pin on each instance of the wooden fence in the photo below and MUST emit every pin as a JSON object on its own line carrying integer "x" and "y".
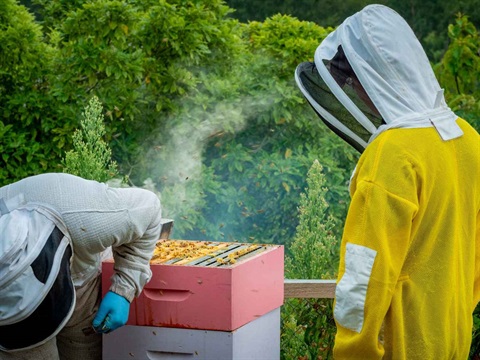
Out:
{"x": 300, "y": 288}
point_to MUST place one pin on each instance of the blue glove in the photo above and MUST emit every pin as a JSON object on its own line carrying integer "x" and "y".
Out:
{"x": 112, "y": 314}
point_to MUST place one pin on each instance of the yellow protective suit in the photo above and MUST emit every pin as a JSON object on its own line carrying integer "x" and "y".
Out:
{"x": 409, "y": 276}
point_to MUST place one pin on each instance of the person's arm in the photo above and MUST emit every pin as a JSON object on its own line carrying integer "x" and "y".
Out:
{"x": 374, "y": 245}
{"x": 376, "y": 239}
{"x": 132, "y": 258}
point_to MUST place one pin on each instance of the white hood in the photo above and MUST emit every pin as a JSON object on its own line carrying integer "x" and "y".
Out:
{"x": 394, "y": 70}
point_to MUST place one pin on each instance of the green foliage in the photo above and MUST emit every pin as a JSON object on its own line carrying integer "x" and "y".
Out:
{"x": 455, "y": 70}
{"x": 475, "y": 348}
{"x": 307, "y": 324}
{"x": 286, "y": 38}
{"x": 314, "y": 251}
{"x": 461, "y": 58}
{"x": 326, "y": 13}
{"x": 137, "y": 57}
{"x": 91, "y": 157}
{"x": 428, "y": 18}
{"x": 28, "y": 143}
{"x": 237, "y": 149}
{"x": 262, "y": 167}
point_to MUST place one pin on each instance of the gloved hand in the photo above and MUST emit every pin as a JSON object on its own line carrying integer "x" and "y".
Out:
{"x": 112, "y": 314}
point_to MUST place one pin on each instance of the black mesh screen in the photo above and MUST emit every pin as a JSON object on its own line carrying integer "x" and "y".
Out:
{"x": 52, "y": 311}
{"x": 319, "y": 91}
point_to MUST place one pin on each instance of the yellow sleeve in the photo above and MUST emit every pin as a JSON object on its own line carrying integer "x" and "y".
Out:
{"x": 374, "y": 245}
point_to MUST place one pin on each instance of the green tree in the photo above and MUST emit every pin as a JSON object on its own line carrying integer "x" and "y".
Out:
{"x": 428, "y": 18}
{"x": 324, "y": 13}
{"x": 91, "y": 157}
{"x": 307, "y": 324}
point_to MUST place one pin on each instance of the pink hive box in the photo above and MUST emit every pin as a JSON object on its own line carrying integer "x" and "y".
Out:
{"x": 209, "y": 292}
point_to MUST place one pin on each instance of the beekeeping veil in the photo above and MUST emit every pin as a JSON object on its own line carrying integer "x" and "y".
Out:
{"x": 372, "y": 74}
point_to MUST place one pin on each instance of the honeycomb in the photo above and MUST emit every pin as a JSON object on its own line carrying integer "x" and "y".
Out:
{"x": 184, "y": 251}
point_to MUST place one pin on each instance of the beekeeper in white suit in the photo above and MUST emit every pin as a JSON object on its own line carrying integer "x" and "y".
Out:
{"x": 97, "y": 217}
{"x": 409, "y": 275}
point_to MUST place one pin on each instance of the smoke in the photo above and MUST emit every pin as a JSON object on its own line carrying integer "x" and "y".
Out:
{"x": 189, "y": 137}
{"x": 177, "y": 166}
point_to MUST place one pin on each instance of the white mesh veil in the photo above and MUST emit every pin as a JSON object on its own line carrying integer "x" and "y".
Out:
{"x": 372, "y": 74}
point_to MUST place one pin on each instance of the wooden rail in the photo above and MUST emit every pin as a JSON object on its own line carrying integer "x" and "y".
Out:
{"x": 300, "y": 288}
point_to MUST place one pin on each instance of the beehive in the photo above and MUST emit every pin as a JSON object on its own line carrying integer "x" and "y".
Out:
{"x": 207, "y": 285}
{"x": 259, "y": 339}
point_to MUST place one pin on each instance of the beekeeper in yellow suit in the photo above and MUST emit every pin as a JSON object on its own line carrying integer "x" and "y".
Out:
{"x": 409, "y": 275}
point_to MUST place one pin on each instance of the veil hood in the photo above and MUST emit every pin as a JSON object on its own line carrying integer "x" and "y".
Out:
{"x": 393, "y": 70}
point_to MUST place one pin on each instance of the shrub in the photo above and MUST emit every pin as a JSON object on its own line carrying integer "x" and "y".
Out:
{"x": 308, "y": 328}
{"x": 91, "y": 157}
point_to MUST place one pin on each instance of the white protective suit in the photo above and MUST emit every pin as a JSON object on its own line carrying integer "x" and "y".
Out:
{"x": 97, "y": 217}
